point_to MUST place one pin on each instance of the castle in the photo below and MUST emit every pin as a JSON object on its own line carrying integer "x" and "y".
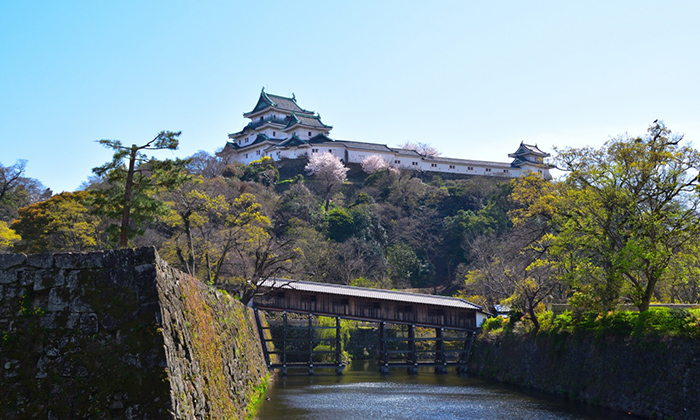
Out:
{"x": 281, "y": 129}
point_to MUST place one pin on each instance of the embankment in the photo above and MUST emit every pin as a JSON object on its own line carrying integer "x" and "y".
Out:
{"x": 648, "y": 376}
{"x": 119, "y": 334}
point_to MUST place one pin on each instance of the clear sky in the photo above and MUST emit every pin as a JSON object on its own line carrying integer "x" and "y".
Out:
{"x": 472, "y": 78}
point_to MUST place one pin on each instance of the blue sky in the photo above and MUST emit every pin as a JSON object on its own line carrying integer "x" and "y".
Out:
{"x": 472, "y": 78}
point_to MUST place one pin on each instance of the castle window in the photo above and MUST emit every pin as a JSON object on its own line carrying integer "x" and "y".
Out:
{"x": 314, "y": 150}
{"x": 433, "y": 165}
{"x": 330, "y": 150}
{"x": 452, "y": 166}
{"x": 488, "y": 169}
{"x": 470, "y": 168}
{"x": 505, "y": 170}
{"x": 257, "y": 152}
{"x": 309, "y": 133}
{"x": 246, "y": 155}
{"x": 274, "y": 133}
{"x": 414, "y": 163}
{"x": 398, "y": 162}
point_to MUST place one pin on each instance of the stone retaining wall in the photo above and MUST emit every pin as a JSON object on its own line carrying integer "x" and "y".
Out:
{"x": 649, "y": 376}
{"x": 119, "y": 334}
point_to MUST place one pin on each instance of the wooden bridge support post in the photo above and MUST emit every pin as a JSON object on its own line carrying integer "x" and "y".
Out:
{"x": 338, "y": 348}
{"x": 464, "y": 357}
{"x": 413, "y": 356}
{"x": 284, "y": 343}
{"x": 261, "y": 332}
{"x": 311, "y": 345}
{"x": 383, "y": 355}
{"x": 440, "y": 351}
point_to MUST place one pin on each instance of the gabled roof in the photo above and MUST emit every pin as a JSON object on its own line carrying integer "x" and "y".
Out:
{"x": 282, "y": 103}
{"x": 320, "y": 138}
{"x": 293, "y": 141}
{"x": 528, "y": 149}
{"x": 380, "y": 294}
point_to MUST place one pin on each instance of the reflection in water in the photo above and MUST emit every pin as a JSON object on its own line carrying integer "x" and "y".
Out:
{"x": 362, "y": 393}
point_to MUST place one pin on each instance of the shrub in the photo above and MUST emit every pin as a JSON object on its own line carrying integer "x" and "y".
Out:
{"x": 493, "y": 324}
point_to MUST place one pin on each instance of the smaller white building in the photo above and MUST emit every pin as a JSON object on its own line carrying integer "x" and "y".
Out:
{"x": 281, "y": 129}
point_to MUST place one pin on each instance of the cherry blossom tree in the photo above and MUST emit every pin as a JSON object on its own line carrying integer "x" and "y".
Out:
{"x": 329, "y": 171}
{"x": 374, "y": 163}
{"x": 424, "y": 149}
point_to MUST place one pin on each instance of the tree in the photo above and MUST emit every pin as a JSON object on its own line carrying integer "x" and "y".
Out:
{"x": 329, "y": 170}
{"x": 18, "y": 191}
{"x": 424, "y": 149}
{"x": 8, "y": 237}
{"x": 513, "y": 270}
{"x": 374, "y": 163}
{"x": 623, "y": 216}
{"x": 61, "y": 223}
{"x": 249, "y": 249}
{"x": 132, "y": 178}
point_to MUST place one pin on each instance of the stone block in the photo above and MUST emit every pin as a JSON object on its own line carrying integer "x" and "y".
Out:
{"x": 11, "y": 260}
{"x": 57, "y": 300}
{"x": 8, "y": 276}
{"x": 72, "y": 322}
{"x": 89, "y": 324}
{"x": 43, "y": 279}
{"x": 40, "y": 260}
{"x": 77, "y": 305}
{"x": 26, "y": 277}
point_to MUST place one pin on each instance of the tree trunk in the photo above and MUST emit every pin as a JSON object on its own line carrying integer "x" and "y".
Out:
{"x": 126, "y": 213}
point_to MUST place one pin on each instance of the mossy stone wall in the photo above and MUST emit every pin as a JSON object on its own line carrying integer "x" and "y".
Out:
{"x": 118, "y": 334}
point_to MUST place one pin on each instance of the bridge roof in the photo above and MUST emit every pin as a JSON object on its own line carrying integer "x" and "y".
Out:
{"x": 363, "y": 292}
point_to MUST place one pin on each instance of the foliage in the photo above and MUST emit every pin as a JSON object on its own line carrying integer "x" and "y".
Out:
{"x": 656, "y": 321}
{"x": 61, "y": 223}
{"x": 340, "y": 225}
{"x": 622, "y": 217}
{"x": 131, "y": 179}
{"x": 8, "y": 237}
{"x": 17, "y": 191}
{"x": 494, "y": 324}
{"x": 424, "y": 149}
{"x": 263, "y": 171}
{"x": 329, "y": 170}
{"x": 374, "y": 163}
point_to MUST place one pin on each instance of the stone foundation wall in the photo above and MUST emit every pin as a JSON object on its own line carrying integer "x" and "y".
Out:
{"x": 119, "y": 334}
{"x": 651, "y": 377}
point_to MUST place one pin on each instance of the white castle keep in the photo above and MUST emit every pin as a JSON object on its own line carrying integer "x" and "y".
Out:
{"x": 281, "y": 129}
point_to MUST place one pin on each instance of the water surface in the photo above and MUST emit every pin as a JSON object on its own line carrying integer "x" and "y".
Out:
{"x": 362, "y": 393}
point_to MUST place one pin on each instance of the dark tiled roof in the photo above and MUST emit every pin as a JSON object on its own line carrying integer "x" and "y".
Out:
{"x": 528, "y": 149}
{"x": 293, "y": 141}
{"x": 405, "y": 152}
{"x": 380, "y": 294}
{"x": 320, "y": 138}
{"x": 267, "y": 100}
{"x": 365, "y": 146}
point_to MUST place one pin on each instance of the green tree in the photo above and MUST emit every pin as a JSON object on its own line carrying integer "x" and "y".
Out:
{"x": 622, "y": 217}
{"x": 340, "y": 225}
{"x": 8, "y": 237}
{"x": 131, "y": 182}
{"x": 61, "y": 223}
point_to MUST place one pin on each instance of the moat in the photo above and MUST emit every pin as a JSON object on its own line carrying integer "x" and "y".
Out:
{"x": 362, "y": 393}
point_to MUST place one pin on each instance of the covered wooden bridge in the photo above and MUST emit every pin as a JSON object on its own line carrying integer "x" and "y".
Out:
{"x": 428, "y": 330}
